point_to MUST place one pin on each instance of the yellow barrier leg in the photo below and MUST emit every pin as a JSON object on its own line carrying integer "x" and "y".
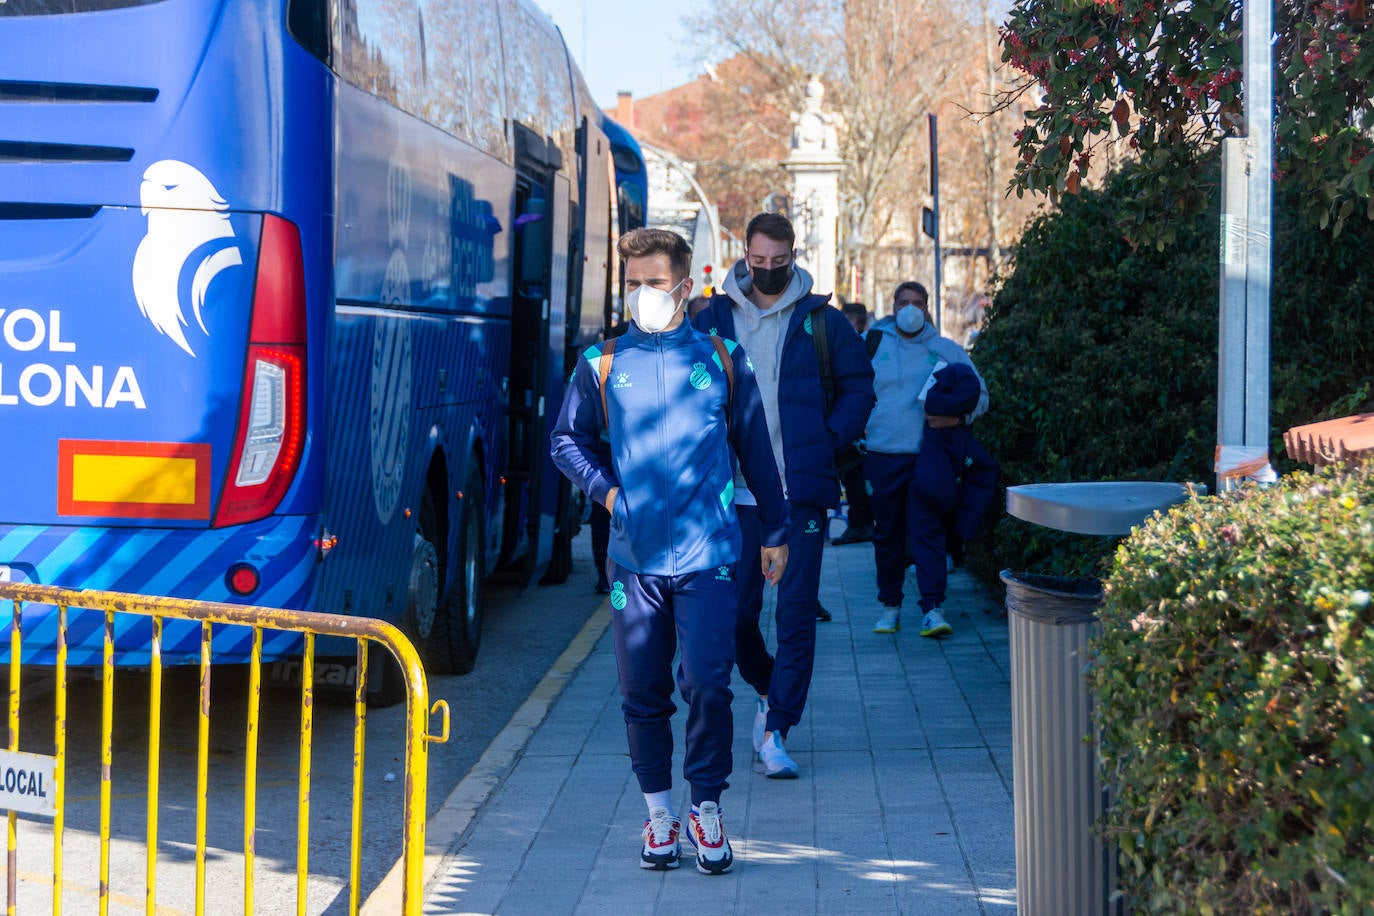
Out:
{"x": 12, "y": 838}
{"x": 59, "y": 824}
{"x": 359, "y": 754}
{"x": 250, "y": 778}
{"x": 303, "y": 789}
{"x": 202, "y": 764}
{"x": 154, "y": 759}
{"x": 106, "y": 759}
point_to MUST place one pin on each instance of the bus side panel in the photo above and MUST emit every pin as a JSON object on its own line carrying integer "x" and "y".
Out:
{"x": 421, "y": 336}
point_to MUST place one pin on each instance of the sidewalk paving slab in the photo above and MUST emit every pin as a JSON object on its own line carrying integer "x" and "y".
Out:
{"x": 903, "y": 806}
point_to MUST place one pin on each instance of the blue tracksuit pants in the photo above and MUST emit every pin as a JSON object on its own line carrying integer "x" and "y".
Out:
{"x": 785, "y": 679}
{"x": 650, "y": 616}
{"x": 901, "y": 521}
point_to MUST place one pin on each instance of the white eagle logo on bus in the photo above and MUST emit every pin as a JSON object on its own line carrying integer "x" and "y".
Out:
{"x": 186, "y": 217}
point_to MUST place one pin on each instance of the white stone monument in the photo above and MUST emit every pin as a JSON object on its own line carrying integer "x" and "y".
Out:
{"x": 815, "y": 165}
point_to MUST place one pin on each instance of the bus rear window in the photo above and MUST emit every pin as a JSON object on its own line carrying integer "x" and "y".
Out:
{"x": 58, "y": 7}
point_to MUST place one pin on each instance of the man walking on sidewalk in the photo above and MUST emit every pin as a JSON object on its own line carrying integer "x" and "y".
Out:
{"x": 675, "y": 402}
{"x": 909, "y": 353}
{"x": 767, "y": 305}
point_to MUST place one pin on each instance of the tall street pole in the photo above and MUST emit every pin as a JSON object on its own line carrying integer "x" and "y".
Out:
{"x": 1246, "y": 241}
{"x": 935, "y": 217}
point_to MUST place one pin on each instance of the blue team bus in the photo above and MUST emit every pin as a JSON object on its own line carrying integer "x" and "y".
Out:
{"x": 289, "y": 290}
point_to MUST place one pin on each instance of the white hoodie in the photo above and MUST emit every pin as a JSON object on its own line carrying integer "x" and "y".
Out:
{"x": 902, "y": 370}
{"x": 762, "y": 333}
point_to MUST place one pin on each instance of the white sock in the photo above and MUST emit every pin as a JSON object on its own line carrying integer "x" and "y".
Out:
{"x": 662, "y": 799}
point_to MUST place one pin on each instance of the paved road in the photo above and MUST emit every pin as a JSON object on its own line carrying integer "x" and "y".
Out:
{"x": 525, "y": 632}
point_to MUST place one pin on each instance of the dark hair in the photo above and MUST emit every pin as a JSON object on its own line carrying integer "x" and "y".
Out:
{"x": 855, "y": 308}
{"x": 774, "y": 225}
{"x": 696, "y": 305}
{"x": 645, "y": 243}
{"x": 913, "y": 286}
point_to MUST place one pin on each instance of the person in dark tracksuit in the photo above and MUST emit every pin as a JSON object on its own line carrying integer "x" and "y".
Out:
{"x": 676, "y": 423}
{"x": 767, "y": 305}
{"x": 859, "y": 517}
{"x": 911, "y": 350}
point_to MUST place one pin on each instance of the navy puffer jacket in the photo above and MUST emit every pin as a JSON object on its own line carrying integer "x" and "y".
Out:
{"x": 810, "y": 435}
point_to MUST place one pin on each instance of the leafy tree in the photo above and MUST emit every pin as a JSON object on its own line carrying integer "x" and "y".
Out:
{"x": 1166, "y": 77}
{"x": 1101, "y": 359}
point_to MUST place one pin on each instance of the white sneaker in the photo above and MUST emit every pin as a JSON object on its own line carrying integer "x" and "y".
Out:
{"x": 661, "y": 847}
{"x": 890, "y": 621}
{"x": 760, "y": 723}
{"x": 776, "y": 763}
{"x": 934, "y": 624}
{"x": 706, "y": 830}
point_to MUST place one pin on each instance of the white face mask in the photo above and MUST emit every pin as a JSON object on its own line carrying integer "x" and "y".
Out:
{"x": 652, "y": 308}
{"x": 910, "y": 318}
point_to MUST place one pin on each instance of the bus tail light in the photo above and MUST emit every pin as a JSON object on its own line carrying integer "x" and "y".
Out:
{"x": 270, "y": 435}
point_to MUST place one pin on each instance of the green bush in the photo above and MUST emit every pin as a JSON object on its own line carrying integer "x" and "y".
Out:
{"x": 1234, "y": 678}
{"x": 1101, "y": 359}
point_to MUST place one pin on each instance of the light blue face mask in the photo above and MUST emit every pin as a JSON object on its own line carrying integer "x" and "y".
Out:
{"x": 910, "y": 318}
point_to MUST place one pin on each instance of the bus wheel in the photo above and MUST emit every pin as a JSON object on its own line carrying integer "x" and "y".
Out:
{"x": 385, "y": 678}
{"x": 452, "y": 645}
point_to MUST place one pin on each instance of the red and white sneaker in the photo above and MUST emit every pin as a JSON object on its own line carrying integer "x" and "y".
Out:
{"x": 706, "y": 830}
{"x": 661, "y": 846}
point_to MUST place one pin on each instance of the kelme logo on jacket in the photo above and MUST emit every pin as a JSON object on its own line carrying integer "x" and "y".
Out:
{"x": 812, "y": 527}
{"x": 622, "y": 380}
{"x": 618, "y": 599}
{"x": 701, "y": 379}
{"x": 723, "y": 573}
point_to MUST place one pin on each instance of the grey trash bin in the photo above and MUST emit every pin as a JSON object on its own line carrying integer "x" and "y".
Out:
{"x": 1062, "y": 867}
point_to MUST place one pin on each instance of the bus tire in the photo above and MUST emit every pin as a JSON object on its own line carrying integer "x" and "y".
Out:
{"x": 457, "y": 632}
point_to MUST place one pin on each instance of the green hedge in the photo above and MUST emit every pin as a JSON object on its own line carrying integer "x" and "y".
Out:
{"x": 1101, "y": 360}
{"x": 1234, "y": 678}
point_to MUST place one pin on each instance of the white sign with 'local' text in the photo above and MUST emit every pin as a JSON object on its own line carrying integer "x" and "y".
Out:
{"x": 28, "y": 783}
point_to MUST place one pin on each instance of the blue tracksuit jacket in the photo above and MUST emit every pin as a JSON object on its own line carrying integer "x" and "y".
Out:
{"x": 670, "y": 450}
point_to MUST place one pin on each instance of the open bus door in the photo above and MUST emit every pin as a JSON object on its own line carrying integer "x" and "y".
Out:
{"x": 534, "y": 499}
{"x": 589, "y": 255}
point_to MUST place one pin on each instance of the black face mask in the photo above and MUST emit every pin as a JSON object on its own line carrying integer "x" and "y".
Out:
{"x": 771, "y": 280}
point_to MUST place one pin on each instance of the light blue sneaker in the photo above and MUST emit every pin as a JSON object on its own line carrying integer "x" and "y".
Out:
{"x": 776, "y": 763}
{"x": 934, "y": 624}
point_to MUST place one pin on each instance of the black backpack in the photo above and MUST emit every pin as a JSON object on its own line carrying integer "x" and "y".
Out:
{"x": 850, "y": 456}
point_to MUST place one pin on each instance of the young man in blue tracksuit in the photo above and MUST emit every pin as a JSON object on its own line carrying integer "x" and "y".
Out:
{"x": 767, "y": 305}
{"x": 676, "y": 419}
{"x": 909, "y": 352}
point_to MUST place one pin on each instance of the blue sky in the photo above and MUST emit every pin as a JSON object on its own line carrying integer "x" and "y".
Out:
{"x": 638, "y": 45}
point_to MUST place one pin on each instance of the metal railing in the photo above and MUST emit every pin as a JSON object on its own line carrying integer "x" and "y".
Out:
{"x": 309, "y": 625}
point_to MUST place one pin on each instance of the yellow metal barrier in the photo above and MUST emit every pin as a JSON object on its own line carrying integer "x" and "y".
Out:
{"x": 310, "y": 625}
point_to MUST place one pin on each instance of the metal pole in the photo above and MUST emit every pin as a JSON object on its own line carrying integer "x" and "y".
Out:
{"x": 1231, "y": 336}
{"x": 1258, "y": 27}
{"x": 1246, "y": 240}
{"x": 935, "y": 209}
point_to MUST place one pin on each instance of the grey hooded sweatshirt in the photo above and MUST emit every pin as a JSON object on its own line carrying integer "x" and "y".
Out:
{"x": 762, "y": 333}
{"x": 902, "y": 367}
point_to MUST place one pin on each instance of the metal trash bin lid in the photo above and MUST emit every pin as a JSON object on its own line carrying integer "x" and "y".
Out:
{"x": 1105, "y": 507}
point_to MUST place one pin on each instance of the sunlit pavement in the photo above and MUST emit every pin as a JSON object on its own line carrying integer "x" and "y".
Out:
{"x": 903, "y": 805}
